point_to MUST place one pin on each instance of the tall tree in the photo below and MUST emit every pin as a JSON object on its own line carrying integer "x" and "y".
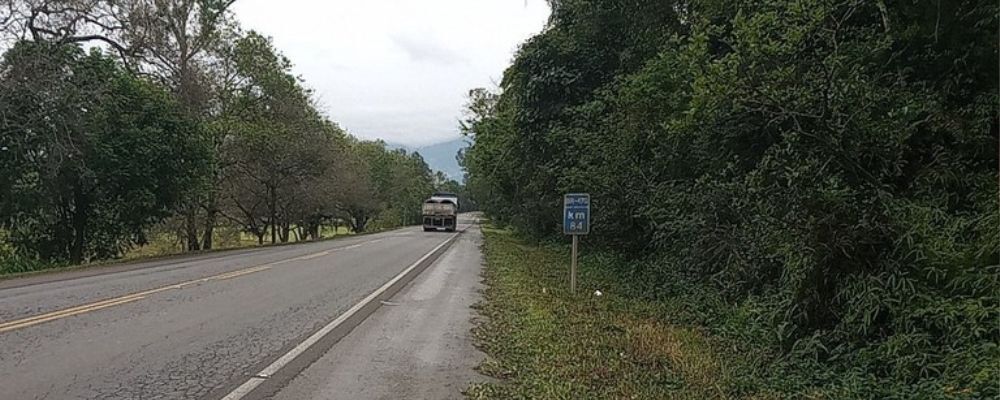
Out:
{"x": 96, "y": 155}
{"x": 164, "y": 39}
{"x": 276, "y": 144}
{"x": 172, "y": 40}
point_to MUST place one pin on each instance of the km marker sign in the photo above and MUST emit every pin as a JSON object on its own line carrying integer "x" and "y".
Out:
{"x": 576, "y": 222}
{"x": 576, "y": 214}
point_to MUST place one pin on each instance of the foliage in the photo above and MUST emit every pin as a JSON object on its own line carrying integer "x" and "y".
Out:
{"x": 191, "y": 119}
{"x": 646, "y": 338}
{"x": 283, "y": 164}
{"x": 443, "y": 184}
{"x": 93, "y": 155}
{"x": 831, "y": 163}
{"x": 547, "y": 343}
{"x": 277, "y": 156}
{"x": 400, "y": 182}
{"x": 12, "y": 261}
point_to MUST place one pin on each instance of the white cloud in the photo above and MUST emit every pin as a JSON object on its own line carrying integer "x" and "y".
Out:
{"x": 396, "y": 69}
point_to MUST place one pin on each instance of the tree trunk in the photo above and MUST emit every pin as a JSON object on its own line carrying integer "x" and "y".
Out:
{"x": 210, "y": 214}
{"x": 284, "y": 232}
{"x": 79, "y": 226}
{"x": 191, "y": 228}
{"x": 273, "y": 205}
{"x": 359, "y": 222}
{"x": 314, "y": 230}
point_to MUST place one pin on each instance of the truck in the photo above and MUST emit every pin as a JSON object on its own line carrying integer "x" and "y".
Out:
{"x": 440, "y": 211}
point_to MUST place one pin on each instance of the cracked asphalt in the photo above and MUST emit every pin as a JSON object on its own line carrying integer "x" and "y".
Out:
{"x": 196, "y": 340}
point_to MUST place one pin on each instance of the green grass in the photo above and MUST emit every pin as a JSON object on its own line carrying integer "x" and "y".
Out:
{"x": 543, "y": 342}
{"x": 672, "y": 337}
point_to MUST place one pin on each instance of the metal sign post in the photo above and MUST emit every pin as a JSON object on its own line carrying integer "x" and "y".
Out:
{"x": 576, "y": 222}
{"x": 572, "y": 271}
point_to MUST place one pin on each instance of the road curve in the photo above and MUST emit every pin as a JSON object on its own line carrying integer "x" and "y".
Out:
{"x": 190, "y": 327}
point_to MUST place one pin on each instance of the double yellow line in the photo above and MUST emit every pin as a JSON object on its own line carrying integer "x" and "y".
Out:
{"x": 69, "y": 312}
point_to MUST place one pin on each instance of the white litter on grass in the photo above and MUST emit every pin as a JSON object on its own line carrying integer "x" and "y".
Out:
{"x": 545, "y": 291}
{"x": 598, "y": 293}
{"x": 3, "y": 148}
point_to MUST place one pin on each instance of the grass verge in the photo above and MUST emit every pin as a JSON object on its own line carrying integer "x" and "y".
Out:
{"x": 655, "y": 333}
{"x": 543, "y": 342}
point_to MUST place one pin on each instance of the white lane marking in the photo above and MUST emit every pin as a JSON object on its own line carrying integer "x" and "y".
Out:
{"x": 271, "y": 369}
{"x": 244, "y": 389}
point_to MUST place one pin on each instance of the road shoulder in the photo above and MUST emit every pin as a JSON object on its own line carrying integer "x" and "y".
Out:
{"x": 417, "y": 346}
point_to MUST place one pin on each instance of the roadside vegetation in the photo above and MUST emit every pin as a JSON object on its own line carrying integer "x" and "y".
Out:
{"x": 812, "y": 183}
{"x": 131, "y": 124}
{"x": 646, "y": 339}
{"x": 543, "y": 342}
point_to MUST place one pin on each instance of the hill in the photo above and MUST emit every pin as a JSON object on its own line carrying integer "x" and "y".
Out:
{"x": 441, "y": 156}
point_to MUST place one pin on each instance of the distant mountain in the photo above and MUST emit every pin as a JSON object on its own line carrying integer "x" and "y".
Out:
{"x": 441, "y": 156}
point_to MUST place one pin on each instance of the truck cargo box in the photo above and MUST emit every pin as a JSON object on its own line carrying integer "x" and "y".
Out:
{"x": 440, "y": 212}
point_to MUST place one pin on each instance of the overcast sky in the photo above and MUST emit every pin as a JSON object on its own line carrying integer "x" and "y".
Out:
{"x": 397, "y": 70}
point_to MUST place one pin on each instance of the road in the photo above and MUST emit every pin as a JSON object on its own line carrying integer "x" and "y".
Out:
{"x": 416, "y": 347}
{"x": 197, "y": 327}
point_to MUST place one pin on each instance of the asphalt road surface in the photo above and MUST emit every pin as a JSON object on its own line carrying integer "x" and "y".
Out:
{"x": 418, "y": 346}
{"x": 191, "y": 327}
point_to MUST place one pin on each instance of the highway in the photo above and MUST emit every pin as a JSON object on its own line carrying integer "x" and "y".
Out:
{"x": 194, "y": 327}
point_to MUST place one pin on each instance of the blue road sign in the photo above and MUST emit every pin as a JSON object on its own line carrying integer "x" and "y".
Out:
{"x": 576, "y": 214}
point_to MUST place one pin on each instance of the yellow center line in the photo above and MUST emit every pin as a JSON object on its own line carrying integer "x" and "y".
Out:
{"x": 240, "y": 273}
{"x": 65, "y": 313}
{"x": 312, "y": 256}
{"x": 85, "y": 308}
{"x": 68, "y": 312}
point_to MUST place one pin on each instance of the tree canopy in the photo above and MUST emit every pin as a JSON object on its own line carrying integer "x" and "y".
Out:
{"x": 92, "y": 155}
{"x": 175, "y": 121}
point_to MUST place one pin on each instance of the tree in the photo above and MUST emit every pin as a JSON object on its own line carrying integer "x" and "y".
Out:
{"x": 398, "y": 181}
{"x": 360, "y": 203}
{"x": 165, "y": 40}
{"x": 836, "y": 158}
{"x": 171, "y": 41}
{"x": 96, "y": 155}
{"x": 276, "y": 145}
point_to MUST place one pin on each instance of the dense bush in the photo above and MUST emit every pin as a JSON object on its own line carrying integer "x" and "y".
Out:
{"x": 831, "y": 163}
